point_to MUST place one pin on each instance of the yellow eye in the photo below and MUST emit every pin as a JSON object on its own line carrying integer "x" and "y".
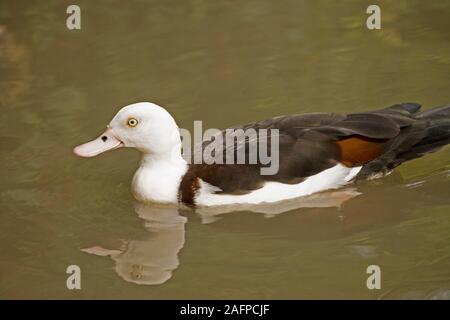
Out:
{"x": 132, "y": 122}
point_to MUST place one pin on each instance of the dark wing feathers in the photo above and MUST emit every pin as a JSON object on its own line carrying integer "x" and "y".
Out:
{"x": 370, "y": 125}
{"x": 313, "y": 142}
{"x": 406, "y": 107}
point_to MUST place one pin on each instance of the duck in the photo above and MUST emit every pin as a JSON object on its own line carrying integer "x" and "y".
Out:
{"x": 316, "y": 152}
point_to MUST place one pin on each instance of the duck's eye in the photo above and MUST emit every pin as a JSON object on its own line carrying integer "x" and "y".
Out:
{"x": 132, "y": 122}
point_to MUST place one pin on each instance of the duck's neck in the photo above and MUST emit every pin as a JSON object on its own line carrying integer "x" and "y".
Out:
{"x": 158, "y": 178}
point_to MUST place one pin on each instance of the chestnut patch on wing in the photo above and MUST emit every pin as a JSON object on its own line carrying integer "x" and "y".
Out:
{"x": 358, "y": 150}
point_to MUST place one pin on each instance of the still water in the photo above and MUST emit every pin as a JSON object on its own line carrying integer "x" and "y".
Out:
{"x": 223, "y": 62}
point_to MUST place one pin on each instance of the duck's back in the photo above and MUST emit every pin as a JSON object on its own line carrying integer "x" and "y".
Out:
{"x": 316, "y": 151}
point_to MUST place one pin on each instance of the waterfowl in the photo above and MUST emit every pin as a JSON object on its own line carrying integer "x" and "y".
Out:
{"x": 317, "y": 152}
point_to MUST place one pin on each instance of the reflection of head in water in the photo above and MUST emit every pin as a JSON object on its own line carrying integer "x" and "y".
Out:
{"x": 150, "y": 261}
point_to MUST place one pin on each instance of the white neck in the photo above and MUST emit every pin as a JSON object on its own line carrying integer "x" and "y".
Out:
{"x": 158, "y": 178}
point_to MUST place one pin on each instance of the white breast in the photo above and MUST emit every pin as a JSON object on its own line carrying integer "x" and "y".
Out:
{"x": 158, "y": 181}
{"x": 331, "y": 178}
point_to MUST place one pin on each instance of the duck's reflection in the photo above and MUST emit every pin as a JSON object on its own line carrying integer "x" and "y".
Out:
{"x": 326, "y": 199}
{"x": 151, "y": 261}
{"x": 342, "y": 213}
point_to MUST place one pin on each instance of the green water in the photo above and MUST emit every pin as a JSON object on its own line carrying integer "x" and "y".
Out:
{"x": 223, "y": 62}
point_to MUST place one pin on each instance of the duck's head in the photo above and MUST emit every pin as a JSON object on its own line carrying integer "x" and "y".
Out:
{"x": 144, "y": 126}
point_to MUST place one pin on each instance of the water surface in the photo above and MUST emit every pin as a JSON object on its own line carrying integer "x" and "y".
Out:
{"x": 225, "y": 63}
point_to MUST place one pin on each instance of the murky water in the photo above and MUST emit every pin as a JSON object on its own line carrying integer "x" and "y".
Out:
{"x": 223, "y": 62}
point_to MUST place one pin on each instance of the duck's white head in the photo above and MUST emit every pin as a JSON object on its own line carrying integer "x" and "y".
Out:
{"x": 144, "y": 126}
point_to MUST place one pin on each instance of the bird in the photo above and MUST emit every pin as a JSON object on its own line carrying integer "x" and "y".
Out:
{"x": 316, "y": 152}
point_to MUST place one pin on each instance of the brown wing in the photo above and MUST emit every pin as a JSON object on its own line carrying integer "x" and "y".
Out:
{"x": 358, "y": 150}
{"x": 308, "y": 144}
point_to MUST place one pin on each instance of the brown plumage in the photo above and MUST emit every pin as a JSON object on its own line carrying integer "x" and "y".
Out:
{"x": 358, "y": 150}
{"x": 308, "y": 144}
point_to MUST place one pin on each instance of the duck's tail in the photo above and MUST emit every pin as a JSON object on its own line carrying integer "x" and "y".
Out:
{"x": 425, "y": 132}
{"x": 436, "y": 133}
